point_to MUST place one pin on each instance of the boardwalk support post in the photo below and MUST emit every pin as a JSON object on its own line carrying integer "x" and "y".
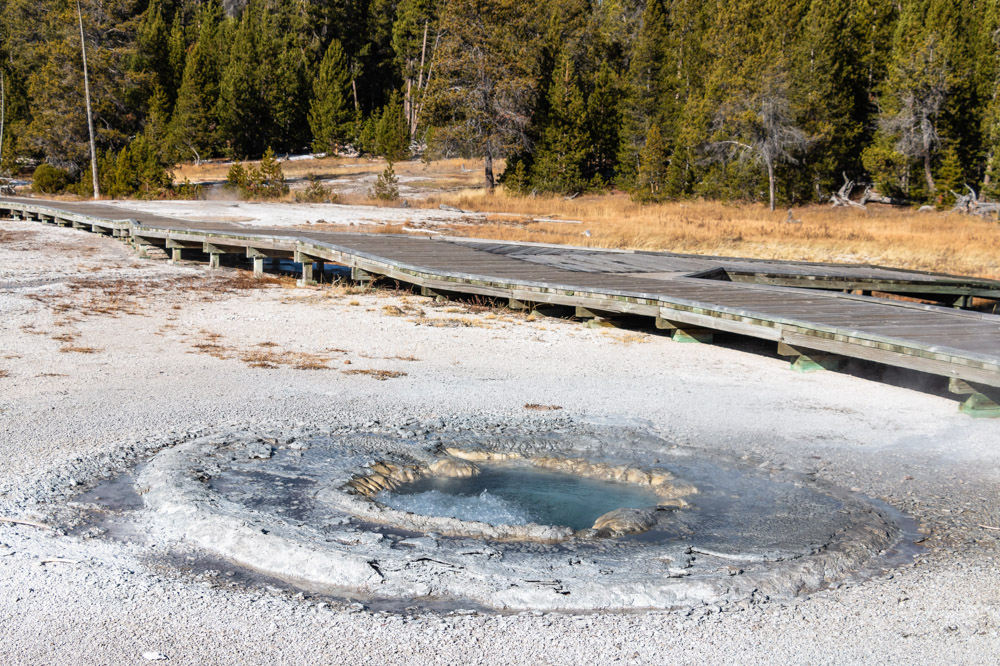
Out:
{"x": 681, "y": 332}
{"x": 359, "y": 275}
{"x": 307, "y": 268}
{"x": 809, "y": 360}
{"x": 215, "y": 253}
{"x": 983, "y": 401}
{"x": 258, "y": 261}
{"x": 431, "y": 293}
{"x": 597, "y": 318}
{"x": 177, "y": 248}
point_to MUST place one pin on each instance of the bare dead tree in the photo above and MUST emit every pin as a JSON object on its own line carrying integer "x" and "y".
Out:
{"x": 480, "y": 100}
{"x": 762, "y": 130}
{"x": 842, "y": 197}
{"x": 922, "y": 88}
{"x": 970, "y": 204}
{"x": 86, "y": 92}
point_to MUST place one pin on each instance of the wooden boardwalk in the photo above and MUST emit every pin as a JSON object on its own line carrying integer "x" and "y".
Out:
{"x": 800, "y": 306}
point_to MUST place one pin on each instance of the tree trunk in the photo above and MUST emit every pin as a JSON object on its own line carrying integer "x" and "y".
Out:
{"x": 86, "y": 92}
{"x": 927, "y": 173}
{"x": 770, "y": 183}
{"x": 490, "y": 182}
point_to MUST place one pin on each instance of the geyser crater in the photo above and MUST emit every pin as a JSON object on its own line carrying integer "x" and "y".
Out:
{"x": 331, "y": 510}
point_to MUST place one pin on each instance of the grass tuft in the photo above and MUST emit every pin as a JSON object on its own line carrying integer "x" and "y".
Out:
{"x": 380, "y": 375}
{"x": 536, "y": 407}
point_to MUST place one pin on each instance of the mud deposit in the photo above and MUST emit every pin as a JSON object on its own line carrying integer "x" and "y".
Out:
{"x": 287, "y": 508}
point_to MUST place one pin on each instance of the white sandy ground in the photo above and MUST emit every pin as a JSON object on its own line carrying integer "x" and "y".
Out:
{"x": 262, "y": 214}
{"x": 68, "y": 416}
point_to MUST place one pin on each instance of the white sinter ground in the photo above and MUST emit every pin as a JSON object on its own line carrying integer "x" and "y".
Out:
{"x": 263, "y": 214}
{"x": 158, "y": 357}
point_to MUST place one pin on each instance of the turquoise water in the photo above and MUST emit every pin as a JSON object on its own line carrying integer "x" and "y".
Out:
{"x": 518, "y": 495}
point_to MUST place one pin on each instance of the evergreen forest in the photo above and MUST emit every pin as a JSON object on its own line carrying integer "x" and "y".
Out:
{"x": 737, "y": 100}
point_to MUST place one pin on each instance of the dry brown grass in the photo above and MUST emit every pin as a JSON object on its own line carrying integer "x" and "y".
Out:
{"x": 74, "y": 349}
{"x": 267, "y": 355}
{"x": 950, "y": 243}
{"x": 627, "y": 338}
{"x": 450, "y": 322}
{"x": 241, "y": 280}
{"x": 535, "y": 407}
{"x": 380, "y": 375}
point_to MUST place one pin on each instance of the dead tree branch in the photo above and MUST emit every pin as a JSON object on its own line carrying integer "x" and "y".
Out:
{"x": 842, "y": 197}
{"x": 970, "y": 204}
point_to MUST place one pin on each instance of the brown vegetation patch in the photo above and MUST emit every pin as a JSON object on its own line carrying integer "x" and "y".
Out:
{"x": 267, "y": 355}
{"x": 244, "y": 280}
{"x": 74, "y": 349}
{"x": 536, "y": 407}
{"x": 380, "y": 375}
{"x": 450, "y": 322}
{"x": 8, "y": 237}
{"x": 393, "y": 311}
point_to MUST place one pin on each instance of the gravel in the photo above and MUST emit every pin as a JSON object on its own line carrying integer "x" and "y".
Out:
{"x": 70, "y": 419}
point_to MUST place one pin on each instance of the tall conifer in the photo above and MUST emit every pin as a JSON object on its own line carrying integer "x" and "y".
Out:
{"x": 331, "y": 112}
{"x": 561, "y": 154}
{"x": 193, "y": 125}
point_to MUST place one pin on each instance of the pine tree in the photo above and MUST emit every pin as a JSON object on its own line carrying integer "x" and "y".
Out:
{"x": 929, "y": 95}
{"x": 949, "y": 177}
{"x": 649, "y": 85}
{"x": 272, "y": 176}
{"x": 177, "y": 56}
{"x": 193, "y": 124}
{"x": 483, "y": 85}
{"x": 392, "y": 135}
{"x": 153, "y": 46}
{"x": 561, "y": 153}
{"x": 156, "y": 128}
{"x": 753, "y": 126}
{"x": 386, "y": 187}
{"x": 330, "y": 113}
{"x": 241, "y": 116}
{"x": 603, "y": 124}
{"x": 282, "y": 64}
{"x": 829, "y": 95}
{"x": 653, "y": 164}
{"x": 990, "y": 45}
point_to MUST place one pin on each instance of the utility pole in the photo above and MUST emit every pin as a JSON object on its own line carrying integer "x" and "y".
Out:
{"x": 3, "y": 117}
{"x": 86, "y": 90}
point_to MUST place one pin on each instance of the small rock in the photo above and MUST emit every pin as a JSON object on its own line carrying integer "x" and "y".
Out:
{"x": 259, "y": 451}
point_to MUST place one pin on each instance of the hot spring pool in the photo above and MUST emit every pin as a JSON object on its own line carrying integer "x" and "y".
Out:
{"x": 518, "y": 495}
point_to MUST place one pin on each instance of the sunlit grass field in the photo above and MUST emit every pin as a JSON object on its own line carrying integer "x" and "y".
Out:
{"x": 903, "y": 238}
